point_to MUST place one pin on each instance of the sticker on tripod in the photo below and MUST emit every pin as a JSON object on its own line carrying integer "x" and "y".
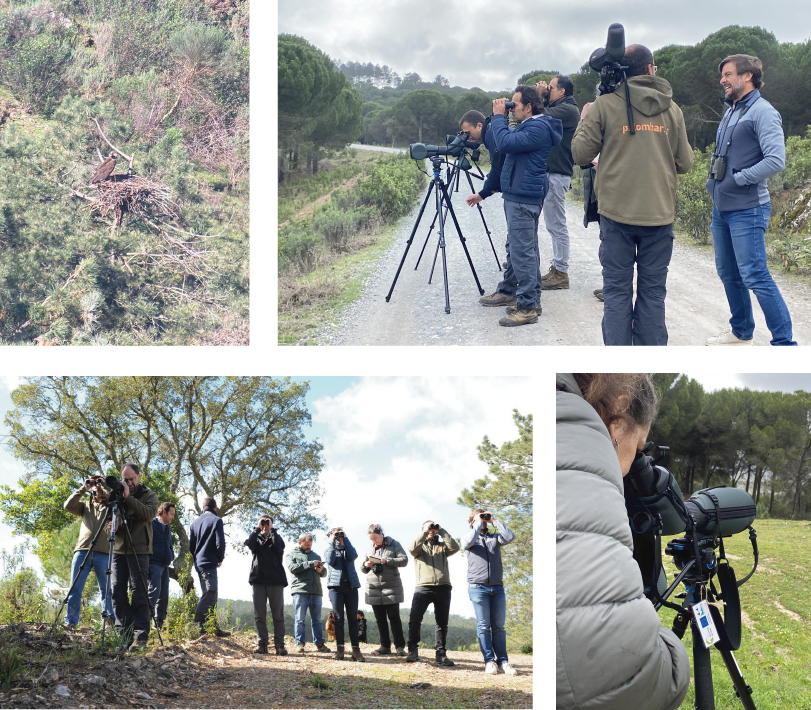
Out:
{"x": 706, "y": 625}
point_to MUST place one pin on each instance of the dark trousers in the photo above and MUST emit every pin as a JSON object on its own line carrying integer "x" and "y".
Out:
{"x": 650, "y": 248}
{"x": 262, "y": 596}
{"x": 341, "y": 600}
{"x": 130, "y": 615}
{"x": 159, "y": 589}
{"x": 440, "y": 597}
{"x": 392, "y": 611}
{"x": 208, "y": 597}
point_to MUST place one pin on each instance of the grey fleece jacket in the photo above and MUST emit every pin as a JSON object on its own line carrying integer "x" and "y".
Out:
{"x": 483, "y": 552}
{"x": 612, "y": 652}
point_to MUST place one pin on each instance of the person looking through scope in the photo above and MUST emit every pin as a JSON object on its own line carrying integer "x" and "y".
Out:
{"x": 600, "y": 600}
{"x": 523, "y": 187}
{"x": 476, "y": 126}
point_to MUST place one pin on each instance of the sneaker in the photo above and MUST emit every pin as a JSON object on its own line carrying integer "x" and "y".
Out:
{"x": 554, "y": 280}
{"x": 323, "y": 648}
{"x": 728, "y": 338}
{"x": 490, "y": 668}
{"x": 498, "y": 299}
{"x": 413, "y": 656}
{"x": 443, "y": 660}
{"x": 300, "y": 647}
{"x": 382, "y": 651}
{"x": 598, "y": 293}
{"x": 401, "y": 651}
{"x": 508, "y": 669}
{"x": 519, "y": 316}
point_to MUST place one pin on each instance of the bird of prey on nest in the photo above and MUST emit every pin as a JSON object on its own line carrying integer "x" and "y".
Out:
{"x": 104, "y": 170}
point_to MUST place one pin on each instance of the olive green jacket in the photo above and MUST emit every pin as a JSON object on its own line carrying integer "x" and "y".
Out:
{"x": 431, "y": 560}
{"x": 91, "y": 513}
{"x": 305, "y": 580}
{"x": 139, "y": 508}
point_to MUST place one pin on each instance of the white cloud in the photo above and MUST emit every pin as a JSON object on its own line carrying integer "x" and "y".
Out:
{"x": 10, "y": 382}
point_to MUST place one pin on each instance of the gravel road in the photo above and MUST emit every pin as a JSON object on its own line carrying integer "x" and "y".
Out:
{"x": 696, "y": 303}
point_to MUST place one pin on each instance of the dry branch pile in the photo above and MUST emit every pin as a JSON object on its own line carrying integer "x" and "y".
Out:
{"x": 132, "y": 194}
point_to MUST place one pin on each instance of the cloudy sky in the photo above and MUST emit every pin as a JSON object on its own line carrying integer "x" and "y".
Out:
{"x": 781, "y": 382}
{"x": 490, "y": 44}
{"x": 398, "y": 451}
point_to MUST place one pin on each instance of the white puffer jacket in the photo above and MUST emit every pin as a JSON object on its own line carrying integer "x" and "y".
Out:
{"x": 612, "y": 652}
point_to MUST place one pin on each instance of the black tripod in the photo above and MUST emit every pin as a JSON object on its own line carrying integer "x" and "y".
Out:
{"x": 439, "y": 188}
{"x": 454, "y": 174}
{"x": 695, "y": 557}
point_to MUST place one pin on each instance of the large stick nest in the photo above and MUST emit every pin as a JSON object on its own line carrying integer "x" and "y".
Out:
{"x": 122, "y": 194}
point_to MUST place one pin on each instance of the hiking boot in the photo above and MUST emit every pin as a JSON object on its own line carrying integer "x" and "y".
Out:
{"x": 508, "y": 669}
{"x": 412, "y": 656}
{"x": 728, "y": 338}
{"x": 323, "y": 648}
{"x": 443, "y": 660}
{"x": 339, "y": 654}
{"x": 497, "y": 299}
{"x": 382, "y": 651}
{"x": 491, "y": 668}
{"x": 69, "y": 627}
{"x": 401, "y": 651}
{"x": 512, "y": 309}
{"x": 281, "y": 651}
{"x": 519, "y": 316}
{"x": 220, "y": 634}
{"x": 261, "y": 648}
{"x": 357, "y": 655}
{"x": 554, "y": 280}
{"x": 300, "y": 647}
{"x": 598, "y": 293}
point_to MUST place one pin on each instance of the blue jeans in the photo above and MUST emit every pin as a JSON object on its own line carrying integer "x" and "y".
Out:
{"x": 302, "y": 602}
{"x": 159, "y": 589}
{"x": 490, "y": 605}
{"x": 98, "y": 563}
{"x": 522, "y": 277}
{"x": 740, "y": 259}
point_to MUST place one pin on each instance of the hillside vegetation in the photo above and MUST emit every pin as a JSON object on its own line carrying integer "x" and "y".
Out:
{"x": 165, "y": 84}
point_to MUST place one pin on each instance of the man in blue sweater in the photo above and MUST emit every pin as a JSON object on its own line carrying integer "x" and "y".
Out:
{"x": 524, "y": 184}
{"x": 162, "y": 556}
{"x": 749, "y": 148}
{"x": 207, "y": 547}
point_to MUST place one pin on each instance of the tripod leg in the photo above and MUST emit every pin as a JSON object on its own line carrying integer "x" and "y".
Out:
{"x": 425, "y": 243}
{"x": 462, "y": 239}
{"x": 441, "y": 244}
{"x": 743, "y": 690}
{"x": 408, "y": 243}
{"x": 702, "y": 670}
{"x": 481, "y": 214}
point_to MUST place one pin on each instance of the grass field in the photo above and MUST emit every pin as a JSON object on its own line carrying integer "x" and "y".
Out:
{"x": 775, "y": 652}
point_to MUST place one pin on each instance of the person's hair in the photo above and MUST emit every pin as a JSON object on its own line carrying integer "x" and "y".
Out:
{"x": 361, "y": 614}
{"x": 266, "y": 516}
{"x": 474, "y": 514}
{"x": 376, "y": 528}
{"x": 565, "y": 83}
{"x": 428, "y": 521}
{"x": 165, "y": 507}
{"x": 133, "y": 466}
{"x": 209, "y": 503}
{"x": 746, "y": 63}
{"x": 305, "y": 536}
{"x": 472, "y": 118}
{"x": 530, "y": 95}
{"x": 632, "y": 398}
{"x": 637, "y": 57}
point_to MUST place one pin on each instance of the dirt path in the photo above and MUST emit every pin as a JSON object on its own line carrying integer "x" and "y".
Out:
{"x": 696, "y": 303}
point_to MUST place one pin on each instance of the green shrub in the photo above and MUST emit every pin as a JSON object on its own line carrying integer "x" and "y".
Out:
{"x": 798, "y": 160}
{"x": 392, "y": 186}
{"x": 22, "y": 595}
{"x": 693, "y": 200}
{"x": 336, "y": 227}
{"x": 298, "y": 246}
{"x": 11, "y": 663}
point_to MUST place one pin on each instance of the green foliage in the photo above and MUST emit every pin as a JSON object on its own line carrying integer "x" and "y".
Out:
{"x": 507, "y": 491}
{"x": 180, "y": 613}
{"x": 11, "y": 663}
{"x": 527, "y": 648}
{"x": 533, "y": 77}
{"x": 298, "y": 247}
{"x": 318, "y": 682}
{"x": 798, "y": 160}
{"x": 336, "y": 226}
{"x": 22, "y": 599}
{"x": 210, "y": 624}
{"x": 693, "y": 200}
{"x": 392, "y": 186}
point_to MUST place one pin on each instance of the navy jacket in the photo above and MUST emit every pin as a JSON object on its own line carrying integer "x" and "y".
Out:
{"x": 207, "y": 541}
{"x": 162, "y": 552}
{"x": 492, "y": 182}
{"x": 756, "y": 152}
{"x": 523, "y": 177}
{"x": 268, "y": 554}
{"x": 337, "y": 559}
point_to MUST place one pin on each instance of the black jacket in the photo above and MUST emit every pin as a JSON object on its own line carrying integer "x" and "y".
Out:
{"x": 560, "y": 159}
{"x": 268, "y": 553}
{"x": 207, "y": 541}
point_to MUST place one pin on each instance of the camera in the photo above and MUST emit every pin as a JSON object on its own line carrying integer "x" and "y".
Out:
{"x": 606, "y": 60}
{"x": 718, "y": 167}
{"x": 116, "y": 489}
{"x": 454, "y": 147}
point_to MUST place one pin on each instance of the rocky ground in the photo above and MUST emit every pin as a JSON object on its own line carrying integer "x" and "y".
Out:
{"x": 63, "y": 671}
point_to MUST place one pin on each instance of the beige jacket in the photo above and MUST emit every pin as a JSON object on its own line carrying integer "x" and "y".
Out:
{"x": 91, "y": 513}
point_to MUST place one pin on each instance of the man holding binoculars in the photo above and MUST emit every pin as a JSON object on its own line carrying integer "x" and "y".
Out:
{"x": 431, "y": 550}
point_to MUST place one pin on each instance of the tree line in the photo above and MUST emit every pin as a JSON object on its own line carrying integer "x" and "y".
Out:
{"x": 760, "y": 441}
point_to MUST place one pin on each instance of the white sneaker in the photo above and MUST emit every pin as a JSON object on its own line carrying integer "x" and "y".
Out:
{"x": 728, "y": 338}
{"x": 508, "y": 669}
{"x": 491, "y": 667}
